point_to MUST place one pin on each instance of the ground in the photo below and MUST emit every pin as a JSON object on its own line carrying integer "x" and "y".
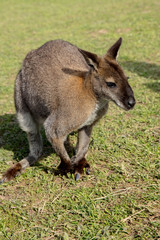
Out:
{"x": 120, "y": 199}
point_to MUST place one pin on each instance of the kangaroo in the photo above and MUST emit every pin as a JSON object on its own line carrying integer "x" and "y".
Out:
{"x": 66, "y": 89}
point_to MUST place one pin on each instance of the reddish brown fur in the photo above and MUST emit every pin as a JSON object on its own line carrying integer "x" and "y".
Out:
{"x": 78, "y": 168}
{"x": 13, "y": 172}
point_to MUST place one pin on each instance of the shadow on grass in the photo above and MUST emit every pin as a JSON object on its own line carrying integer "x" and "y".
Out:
{"x": 150, "y": 71}
{"x": 12, "y": 138}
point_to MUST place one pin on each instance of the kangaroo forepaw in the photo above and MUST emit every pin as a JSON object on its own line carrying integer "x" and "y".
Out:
{"x": 11, "y": 173}
{"x": 79, "y": 168}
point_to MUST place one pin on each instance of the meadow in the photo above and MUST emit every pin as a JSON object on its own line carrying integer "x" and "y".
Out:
{"x": 120, "y": 199}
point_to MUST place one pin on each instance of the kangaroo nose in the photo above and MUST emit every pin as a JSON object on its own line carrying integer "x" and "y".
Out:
{"x": 131, "y": 102}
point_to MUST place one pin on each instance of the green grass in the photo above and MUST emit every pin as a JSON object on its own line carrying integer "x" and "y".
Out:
{"x": 121, "y": 197}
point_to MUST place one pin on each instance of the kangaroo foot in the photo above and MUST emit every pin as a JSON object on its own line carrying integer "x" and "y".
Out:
{"x": 11, "y": 173}
{"x": 79, "y": 168}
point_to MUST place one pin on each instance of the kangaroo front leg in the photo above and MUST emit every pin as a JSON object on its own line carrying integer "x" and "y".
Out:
{"x": 79, "y": 161}
{"x": 58, "y": 145}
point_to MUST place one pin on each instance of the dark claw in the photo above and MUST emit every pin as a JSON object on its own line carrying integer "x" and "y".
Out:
{"x": 77, "y": 176}
{"x": 87, "y": 171}
{"x": 2, "y": 180}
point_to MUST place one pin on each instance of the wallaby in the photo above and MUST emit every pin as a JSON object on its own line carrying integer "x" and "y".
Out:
{"x": 66, "y": 89}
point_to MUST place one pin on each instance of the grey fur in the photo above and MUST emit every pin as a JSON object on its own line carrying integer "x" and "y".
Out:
{"x": 64, "y": 89}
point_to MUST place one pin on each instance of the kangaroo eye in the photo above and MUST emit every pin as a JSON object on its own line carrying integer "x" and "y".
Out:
{"x": 111, "y": 84}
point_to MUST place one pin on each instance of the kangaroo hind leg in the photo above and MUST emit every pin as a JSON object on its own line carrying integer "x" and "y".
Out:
{"x": 27, "y": 124}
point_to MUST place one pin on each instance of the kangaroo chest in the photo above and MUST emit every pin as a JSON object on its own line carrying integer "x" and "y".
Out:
{"x": 99, "y": 110}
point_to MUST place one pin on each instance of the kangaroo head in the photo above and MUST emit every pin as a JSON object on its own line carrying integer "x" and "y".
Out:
{"x": 108, "y": 79}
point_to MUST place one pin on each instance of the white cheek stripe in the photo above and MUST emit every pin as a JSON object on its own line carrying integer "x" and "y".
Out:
{"x": 110, "y": 79}
{"x": 116, "y": 100}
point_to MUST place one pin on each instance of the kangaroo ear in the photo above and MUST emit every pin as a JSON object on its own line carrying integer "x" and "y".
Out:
{"x": 113, "y": 51}
{"x": 91, "y": 58}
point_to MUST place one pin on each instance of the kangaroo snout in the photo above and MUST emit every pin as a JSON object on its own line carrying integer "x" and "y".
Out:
{"x": 130, "y": 102}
